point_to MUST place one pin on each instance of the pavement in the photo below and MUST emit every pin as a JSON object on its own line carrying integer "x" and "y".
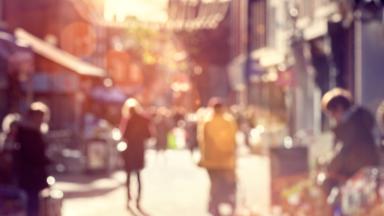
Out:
{"x": 172, "y": 185}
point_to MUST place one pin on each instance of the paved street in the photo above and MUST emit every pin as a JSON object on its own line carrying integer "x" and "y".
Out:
{"x": 172, "y": 185}
{"x": 292, "y": 88}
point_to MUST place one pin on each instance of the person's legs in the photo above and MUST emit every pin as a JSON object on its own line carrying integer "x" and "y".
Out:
{"x": 128, "y": 183}
{"x": 138, "y": 188}
{"x": 32, "y": 202}
{"x": 213, "y": 205}
{"x": 229, "y": 184}
{"x": 223, "y": 190}
{"x": 138, "y": 203}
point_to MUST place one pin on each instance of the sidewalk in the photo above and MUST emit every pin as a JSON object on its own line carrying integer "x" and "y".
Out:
{"x": 87, "y": 185}
{"x": 173, "y": 185}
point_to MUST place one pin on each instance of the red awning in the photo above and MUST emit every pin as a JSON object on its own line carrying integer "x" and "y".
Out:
{"x": 57, "y": 55}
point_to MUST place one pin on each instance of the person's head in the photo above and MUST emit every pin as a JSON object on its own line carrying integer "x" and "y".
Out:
{"x": 131, "y": 107}
{"x": 217, "y": 105}
{"x": 10, "y": 122}
{"x": 38, "y": 114}
{"x": 336, "y": 102}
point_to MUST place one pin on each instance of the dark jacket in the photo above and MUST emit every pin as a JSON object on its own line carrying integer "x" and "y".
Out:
{"x": 135, "y": 134}
{"x": 358, "y": 150}
{"x": 31, "y": 161}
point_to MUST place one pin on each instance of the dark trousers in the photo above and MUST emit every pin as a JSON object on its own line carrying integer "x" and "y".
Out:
{"x": 223, "y": 190}
{"x": 32, "y": 202}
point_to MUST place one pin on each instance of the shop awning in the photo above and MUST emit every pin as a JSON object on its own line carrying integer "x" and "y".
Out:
{"x": 63, "y": 58}
{"x": 7, "y": 44}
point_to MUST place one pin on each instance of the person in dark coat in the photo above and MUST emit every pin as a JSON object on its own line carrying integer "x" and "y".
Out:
{"x": 353, "y": 137}
{"x": 30, "y": 159}
{"x": 135, "y": 129}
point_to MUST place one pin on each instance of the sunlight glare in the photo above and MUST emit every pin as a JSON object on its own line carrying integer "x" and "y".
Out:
{"x": 143, "y": 10}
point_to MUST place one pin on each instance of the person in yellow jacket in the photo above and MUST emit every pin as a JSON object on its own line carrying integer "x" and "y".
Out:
{"x": 217, "y": 140}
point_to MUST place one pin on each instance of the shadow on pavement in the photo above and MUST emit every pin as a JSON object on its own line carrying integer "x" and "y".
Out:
{"x": 86, "y": 185}
{"x": 88, "y": 193}
{"x": 136, "y": 211}
{"x": 81, "y": 178}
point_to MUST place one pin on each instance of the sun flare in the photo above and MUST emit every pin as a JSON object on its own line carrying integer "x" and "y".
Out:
{"x": 143, "y": 10}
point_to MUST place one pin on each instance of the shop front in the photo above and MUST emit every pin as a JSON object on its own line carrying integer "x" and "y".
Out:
{"x": 63, "y": 82}
{"x": 16, "y": 65}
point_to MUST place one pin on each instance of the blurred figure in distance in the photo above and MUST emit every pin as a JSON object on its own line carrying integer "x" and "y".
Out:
{"x": 218, "y": 156}
{"x": 8, "y": 147}
{"x": 135, "y": 129}
{"x": 163, "y": 125}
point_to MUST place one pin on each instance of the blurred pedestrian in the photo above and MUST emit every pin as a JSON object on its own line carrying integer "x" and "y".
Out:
{"x": 9, "y": 126}
{"x": 31, "y": 160}
{"x": 135, "y": 129}
{"x": 354, "y": 140}
{"x": 191, "y": 133}
{"x": 218, "y": 148}
{"x": 178, "y": 115}
{"x": 8, "y": 146}
{"x": 163, "y": 126}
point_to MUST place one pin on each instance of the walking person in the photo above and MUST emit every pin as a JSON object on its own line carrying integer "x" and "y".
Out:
{"x": 354, "y": 139}
{"x": 30, "y": 158}
{"x": 135, "y": 129}
{"x": 191, "y": 134}
{"x": 218, "y": 148}
{"x": 163, "y": 125}
{"x": 8, "y": 146}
